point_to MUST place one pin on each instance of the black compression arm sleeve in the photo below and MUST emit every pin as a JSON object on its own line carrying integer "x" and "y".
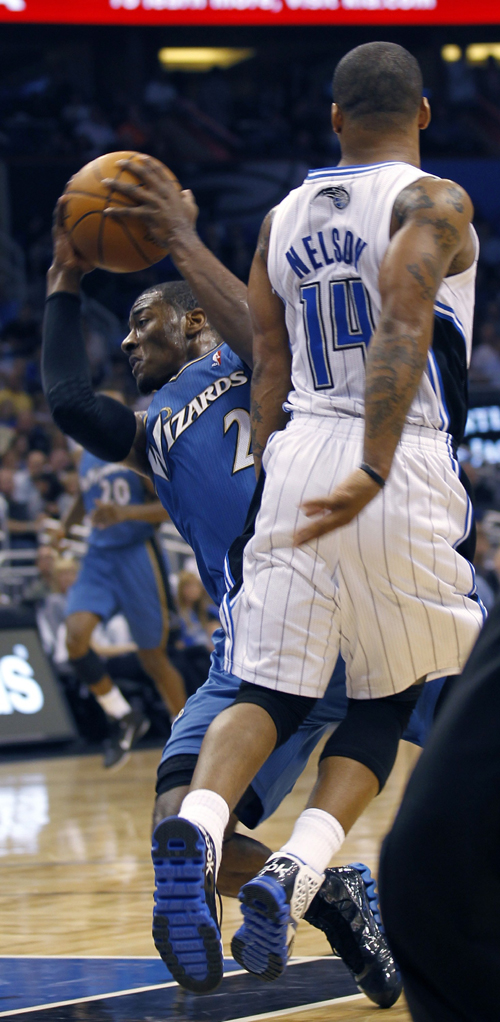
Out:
{"x": 104, "y": 427}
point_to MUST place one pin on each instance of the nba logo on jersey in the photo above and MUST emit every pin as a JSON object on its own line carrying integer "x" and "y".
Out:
{"x": 216, "y": 359}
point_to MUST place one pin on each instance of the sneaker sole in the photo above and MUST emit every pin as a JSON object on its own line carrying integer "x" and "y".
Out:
{"x": 371, "y": 891}
{"x": 260, "y": 945}
{"x": 185, "y": 934}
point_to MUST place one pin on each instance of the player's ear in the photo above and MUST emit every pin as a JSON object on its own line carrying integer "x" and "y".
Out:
{"x": 337, "y": 119}
{"x": 424, "y": 115}
{"x": 195, "y": 320}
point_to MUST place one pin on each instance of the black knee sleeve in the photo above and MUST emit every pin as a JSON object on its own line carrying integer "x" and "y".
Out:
{"x": 89, "y": 668}
{"x": 175, "y": 772}
{"x": 371, "y": 731}
{"x": 287, "y": 711}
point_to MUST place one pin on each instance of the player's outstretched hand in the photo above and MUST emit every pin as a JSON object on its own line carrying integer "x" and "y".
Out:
{"x": 330, "y": 513}
{"x": 65, "y": 256}
{"x": 158, "y": 202}
{"x": 105, "y": 515}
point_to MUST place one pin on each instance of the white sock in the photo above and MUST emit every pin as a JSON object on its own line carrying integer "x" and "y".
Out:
{"x": 316, "y": 837}
{"x": 114, "y": 704}
{"x": 210, "y": 811}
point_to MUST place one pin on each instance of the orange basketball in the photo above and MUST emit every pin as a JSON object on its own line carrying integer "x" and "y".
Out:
{"x": 119, "y": 245}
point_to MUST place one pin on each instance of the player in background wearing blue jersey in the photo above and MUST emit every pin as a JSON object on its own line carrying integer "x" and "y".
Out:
{"x": 199, "y": 472}
{"x": 123, "y": 560}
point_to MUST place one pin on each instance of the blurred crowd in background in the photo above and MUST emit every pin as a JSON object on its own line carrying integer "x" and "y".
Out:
{"x": 261, "y": 124}
{"x": 273, "y": 104}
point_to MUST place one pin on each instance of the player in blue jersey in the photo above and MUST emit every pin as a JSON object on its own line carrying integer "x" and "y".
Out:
{"x": 122, "y": 560}
{"x": 195, "y": 438}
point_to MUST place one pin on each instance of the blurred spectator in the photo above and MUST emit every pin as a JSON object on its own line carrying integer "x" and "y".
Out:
{"x": 41, "y": 586}
{"x": 14, "y": 391}
{"x": 33, "y": 431}
{"x": 196, "y": 624}
{"x": 21, "y": 527}
{"x": 485, "y": 364}
{"x": 70, "y": 483}
{"x": 7, "y": 413}
{"x": 7, "y": 431}
{"x": 133, "y": 133}
{"x": 96, "y": 132}
{"x": 50, "y": 490}
{"x": 160, "y": 94}
{"x": 60, "y": 460}
{"x": 51, "y": 613}
{"x": 461, "y": 85}
{"x": 486, "y": 579}
{"x": 26, "y": 490}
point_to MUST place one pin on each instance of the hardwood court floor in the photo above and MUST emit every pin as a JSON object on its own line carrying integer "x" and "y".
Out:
{"x": 75, "y": 871}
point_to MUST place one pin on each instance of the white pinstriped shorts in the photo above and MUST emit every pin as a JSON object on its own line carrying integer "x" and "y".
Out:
{"x": 389, "y": 590}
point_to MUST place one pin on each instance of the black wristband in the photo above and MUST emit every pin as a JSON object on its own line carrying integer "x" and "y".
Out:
{"x": 373, "y": 474}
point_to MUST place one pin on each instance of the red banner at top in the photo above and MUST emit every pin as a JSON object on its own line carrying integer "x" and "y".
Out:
{"x": 252, "y": 12}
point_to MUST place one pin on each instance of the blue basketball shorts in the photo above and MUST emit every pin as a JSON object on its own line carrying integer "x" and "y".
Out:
{"x": 128, "y": 580}
{"x": 280, "y": 772}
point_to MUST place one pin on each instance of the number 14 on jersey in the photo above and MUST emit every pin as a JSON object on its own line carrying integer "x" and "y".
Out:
{"x": 350, "y": 324}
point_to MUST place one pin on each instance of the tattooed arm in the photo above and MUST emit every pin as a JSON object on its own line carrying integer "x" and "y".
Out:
{"x": 271, "y": 380}
{"x": 431, "y": 238}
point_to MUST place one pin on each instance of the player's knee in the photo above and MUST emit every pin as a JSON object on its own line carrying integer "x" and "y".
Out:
{"x": 90, "y": 669}
{"x": 287, "y": 711}
{"x": 151, "y": 658}
{"x": 78, "y": 635}
{"x": 371, "y": 731}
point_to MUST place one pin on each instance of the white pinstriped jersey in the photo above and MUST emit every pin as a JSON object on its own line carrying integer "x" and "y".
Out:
{"x": 328, "y": 239}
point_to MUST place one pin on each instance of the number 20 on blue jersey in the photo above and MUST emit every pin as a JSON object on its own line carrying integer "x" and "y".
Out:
{"x": 351, "y": 324}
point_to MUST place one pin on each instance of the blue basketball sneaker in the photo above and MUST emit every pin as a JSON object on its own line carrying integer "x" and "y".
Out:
{"x": 186, "y": 931}
{"x": 272, "y": 904}
{"x": 346, "y": 910}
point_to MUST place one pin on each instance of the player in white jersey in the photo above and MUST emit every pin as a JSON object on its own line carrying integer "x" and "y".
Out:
{"x": 363, "y": 289}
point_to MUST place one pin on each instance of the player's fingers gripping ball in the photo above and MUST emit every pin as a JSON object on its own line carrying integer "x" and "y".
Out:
{"x": 160, "y": 203}
{"x": 122, "y": 244}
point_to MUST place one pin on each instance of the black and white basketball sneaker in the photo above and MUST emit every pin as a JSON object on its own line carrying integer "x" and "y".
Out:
{"x": 272, "y": 904}
{"x": 346, "y": 910}
{"x": 186, "y": 931}
{"x": 125, "y": 733}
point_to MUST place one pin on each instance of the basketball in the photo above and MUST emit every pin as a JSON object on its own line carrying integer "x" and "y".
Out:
{"x": 113, "y": 244}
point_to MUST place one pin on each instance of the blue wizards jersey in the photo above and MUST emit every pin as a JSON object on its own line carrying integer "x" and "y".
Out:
{"x": 100, "y": 480}
{"x": 198, "y": 443}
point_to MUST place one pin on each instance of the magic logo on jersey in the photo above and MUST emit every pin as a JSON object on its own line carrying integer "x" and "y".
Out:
{"x": 338, "y": 194}
{"x": 170, "y": 427}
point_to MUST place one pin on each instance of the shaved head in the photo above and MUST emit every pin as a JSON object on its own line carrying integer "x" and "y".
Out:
{"x": 378, "y": 81}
